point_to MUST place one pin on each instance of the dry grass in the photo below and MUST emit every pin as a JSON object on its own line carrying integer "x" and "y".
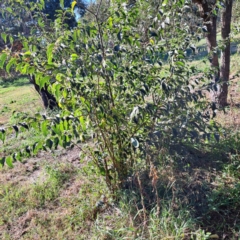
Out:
{"x": 230, "y": 117}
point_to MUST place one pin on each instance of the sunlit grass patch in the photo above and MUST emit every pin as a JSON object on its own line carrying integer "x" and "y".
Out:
{"x": 18, "y": 95}
{"x": 18, "y": 143}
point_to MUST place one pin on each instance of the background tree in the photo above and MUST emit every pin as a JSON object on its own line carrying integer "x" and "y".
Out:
{"x": 226, "y": 52}
{"x": 52, "y": 6}
{"x": 100, "y": 6}
{"x": 209, "y": 12}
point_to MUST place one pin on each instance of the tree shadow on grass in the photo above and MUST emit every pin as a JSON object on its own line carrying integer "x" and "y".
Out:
{"x": 209, "y": 189}
{"x": 206, "y": 183}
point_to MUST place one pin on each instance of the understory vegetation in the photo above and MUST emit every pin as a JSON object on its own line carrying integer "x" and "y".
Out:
{"x": 134, "y": 147}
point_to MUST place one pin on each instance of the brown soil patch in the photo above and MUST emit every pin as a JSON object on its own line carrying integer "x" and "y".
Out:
{"x": 30, "y": 171}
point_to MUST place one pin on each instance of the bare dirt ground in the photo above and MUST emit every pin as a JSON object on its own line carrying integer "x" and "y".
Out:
{"x": 231, "y": 118}
{"x": 29, "y": 170}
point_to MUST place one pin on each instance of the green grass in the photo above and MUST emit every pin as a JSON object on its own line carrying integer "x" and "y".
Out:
{"x": 17, "y": 95}
{"x": 202, "y": 42}
{"x": 24, "y": 139}
{"x": 62, "y": 204}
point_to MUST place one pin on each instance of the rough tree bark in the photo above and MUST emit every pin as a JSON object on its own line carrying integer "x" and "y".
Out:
{"x": 210, "y": 21}
{"x": 225, "y": 54}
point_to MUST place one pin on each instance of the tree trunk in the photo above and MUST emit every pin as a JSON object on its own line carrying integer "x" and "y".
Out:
{"x": 210, "y": 21}
{"x": 220, "y": 92}
{"x": 211, "y": 39}
{"x": 225, "y": 54}
{"x": 49, "y": 101}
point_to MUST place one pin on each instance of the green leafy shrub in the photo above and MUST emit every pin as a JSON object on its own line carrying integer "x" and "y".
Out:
{"x": 112, "y": 89}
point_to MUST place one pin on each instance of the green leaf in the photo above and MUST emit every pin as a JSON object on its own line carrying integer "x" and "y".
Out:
{"x": 9, "y": 9}
{"x": 75, "y": 37}
{"x": 38, "y": 76}
{"x": 34, "y": 147}
{"x": 62, "y": 4}
{"x": 56, "y": 89}
{"x": 9, "y": 161}
{"x": 179, "y": 63}
{"x": 56, "y": 142}
{"x": 50, "y": 48}
{"x": 24, "y": 69}
{"x": 65, "y": 93}
{"x": 44, "y": 128}
{"x": 16, "y": 129}
{"x": 10, "y": 63}
{"x": 28, "y": 53}
{"x": 83, "y": 123}
{"x": 31, "y": 70}
{"x": 61, "y": 127}
{"x": 57, "y": 130}
{"x": 66, "y": 125}
{"x": 74, "y": 57}
{"x": 165, "y": 2}
{"x": 38, "y": 146}
{"x": 49, "y": 143}
{"x": 110, "y": 22}
{"x": 17, "y": 156}
{"x": 73, "y": 5}
{"x": 2, "y": 161}
{"x": 60, "y": 77}
{"x": 43, "y": 81}
{"x": 2, "y": 134}
{"x": 3, "y": 58}
{"x": 41, "y": 22}
{"x": 4, "y": 37}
